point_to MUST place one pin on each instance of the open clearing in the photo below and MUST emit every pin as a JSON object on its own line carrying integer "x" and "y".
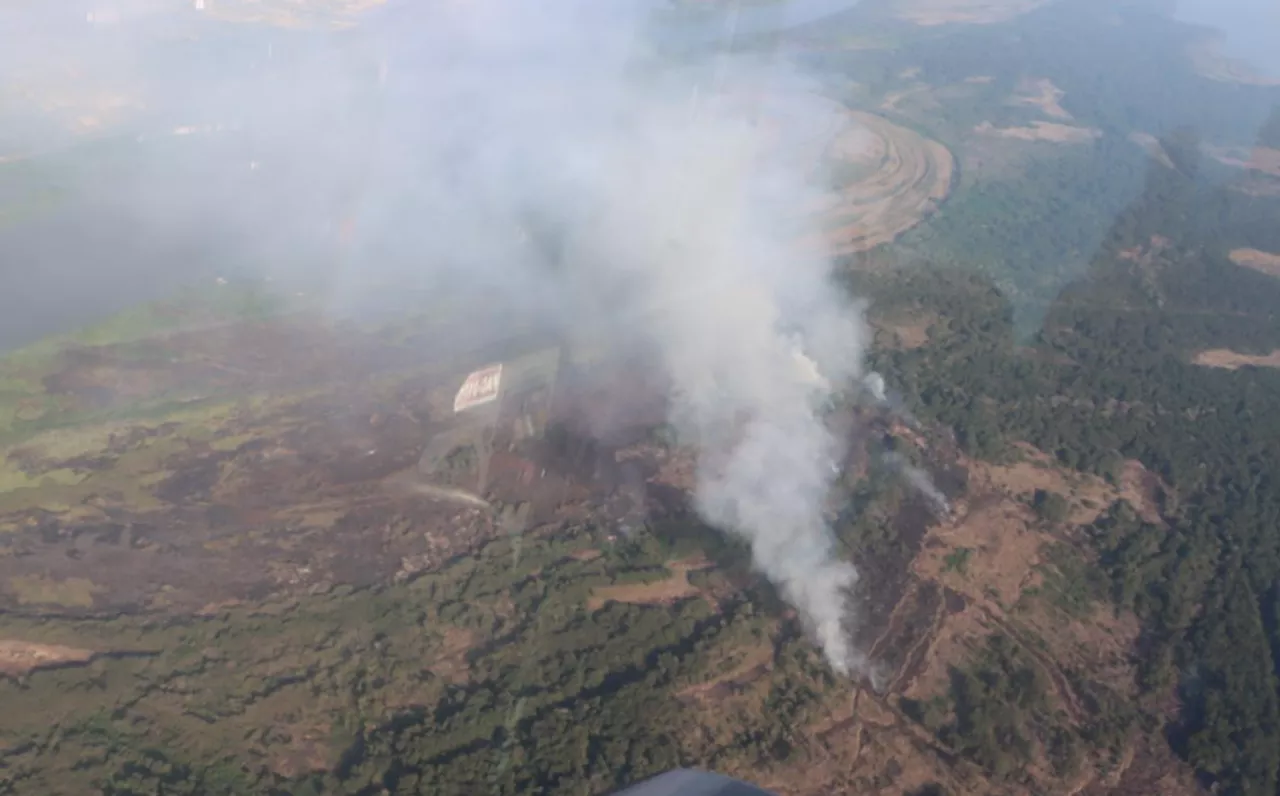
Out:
{"x": 1264, "y": 262}
{"x": 883, "y": 178}
{"x": 904, "y": 177}
{"x": 1042, "y": 131}
{"x": 1042, "y": 94}
{"x": 21, "y": 657}
{"x": 1227, "y": 359}
{"x": 1259, "y": 158}
{"x": 928, "y": 13}
{"x": 676, "y": 587}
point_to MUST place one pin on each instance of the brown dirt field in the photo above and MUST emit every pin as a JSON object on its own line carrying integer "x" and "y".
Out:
{"x": 1260, "y": 159}
{"x": 21, "y": 657}
{"x": 1042, "y": 131}
{"x": 913, "y": 177}
{"x": 1227, "y": 359}
{"x": 906, "y": 333}
{"x": 1263, "y": 262}
{"x": 1042, "y": 94}
{"x": 895, "y": 176}
{"x": 1038, "y": 471}
{"x": 1003, "y": 552}
{"x": 929, "y": 13}
{"x": 674, "y": 588}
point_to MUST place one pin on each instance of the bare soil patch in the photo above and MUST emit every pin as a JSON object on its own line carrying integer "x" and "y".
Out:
{"x": 906, "y": 333}
{"x": 912, "y": 175}
{"x": 1227, "y": 359}
{"x": 1259, "y": 158}
{"x": 22, "y": 657}
{"x": 1263, "y": 262}
{"x": 1042, "y": 131}
{"x": 1043, "y": 94}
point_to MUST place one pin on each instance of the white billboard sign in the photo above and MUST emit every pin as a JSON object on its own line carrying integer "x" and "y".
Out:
{"x": 481, "y": 387}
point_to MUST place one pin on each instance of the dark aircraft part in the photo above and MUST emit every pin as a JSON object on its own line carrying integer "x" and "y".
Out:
{"x": 688, "y": 782}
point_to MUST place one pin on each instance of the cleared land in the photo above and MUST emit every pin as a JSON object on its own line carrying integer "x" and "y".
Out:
{"x": 23, "y": 657}
{"x": 901, "y": 177}
{"x": 1227, "y": 359}
{"x": 1259, "y": 158}
{"x": 1264, "y": 262}
{"x": 1042, "y": 94}
{"x": 883, "y": 178}
{"x": 1042, "y": 131}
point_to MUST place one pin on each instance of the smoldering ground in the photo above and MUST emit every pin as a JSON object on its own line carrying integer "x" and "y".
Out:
{"x": 547, "y": 157}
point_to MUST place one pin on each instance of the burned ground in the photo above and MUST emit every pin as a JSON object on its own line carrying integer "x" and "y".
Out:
{"x": 280, "y": 474}
{"x": 230, "y": 563}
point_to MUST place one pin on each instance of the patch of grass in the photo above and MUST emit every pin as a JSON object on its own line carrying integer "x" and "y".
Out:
{"x": 13, "y": 479}
{"x": 40, "y": 590}
{"x": 957, "y": 560}
{"x": 1071, "y": 582}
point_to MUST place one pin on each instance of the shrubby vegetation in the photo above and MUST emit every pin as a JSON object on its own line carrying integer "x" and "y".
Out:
{"x": 1108, "y": 377}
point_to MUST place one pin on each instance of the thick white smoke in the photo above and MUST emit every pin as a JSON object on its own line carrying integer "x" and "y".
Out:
{"x": 541, "y": 153}
{"x": 683, "y": 223}
{"x": 921, "y": 482}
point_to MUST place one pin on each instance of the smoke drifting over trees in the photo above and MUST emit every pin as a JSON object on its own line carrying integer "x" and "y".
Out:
{"x": 544, "y": 156}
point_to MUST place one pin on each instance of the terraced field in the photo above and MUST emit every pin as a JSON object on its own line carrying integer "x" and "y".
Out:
{"x": 901, "y": 177}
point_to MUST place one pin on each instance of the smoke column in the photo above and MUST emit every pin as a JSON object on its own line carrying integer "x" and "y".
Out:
{"x": 543, "y": 156}
{"x": 921, "y": 482}
{"x": 678, "y": 230}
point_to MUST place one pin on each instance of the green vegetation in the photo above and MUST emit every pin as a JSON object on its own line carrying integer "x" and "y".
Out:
{"x": 483, "y": 677}
{"x": 957, "y": 560}
{"x": 1067, "y": 293}
{"x": 1109, "y": 377}
{"x": 1050, "y": 506}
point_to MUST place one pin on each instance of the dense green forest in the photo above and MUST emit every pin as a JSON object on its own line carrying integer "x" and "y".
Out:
{"x": 1108, "y": 377}
{"x": 1033, "y": 216}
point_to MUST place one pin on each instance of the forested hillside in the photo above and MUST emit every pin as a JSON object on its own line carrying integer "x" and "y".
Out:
{"x": 1111, "y": 377}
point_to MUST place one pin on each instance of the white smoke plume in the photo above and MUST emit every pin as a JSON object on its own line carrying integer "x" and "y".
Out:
{"x": 543, "y": 155}
{"x": 685, "y": 219}
{"x": 921, "y": 482}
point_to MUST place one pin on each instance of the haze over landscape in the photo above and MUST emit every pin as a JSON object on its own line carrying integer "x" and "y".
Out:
{"x": 500, "y": 397}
